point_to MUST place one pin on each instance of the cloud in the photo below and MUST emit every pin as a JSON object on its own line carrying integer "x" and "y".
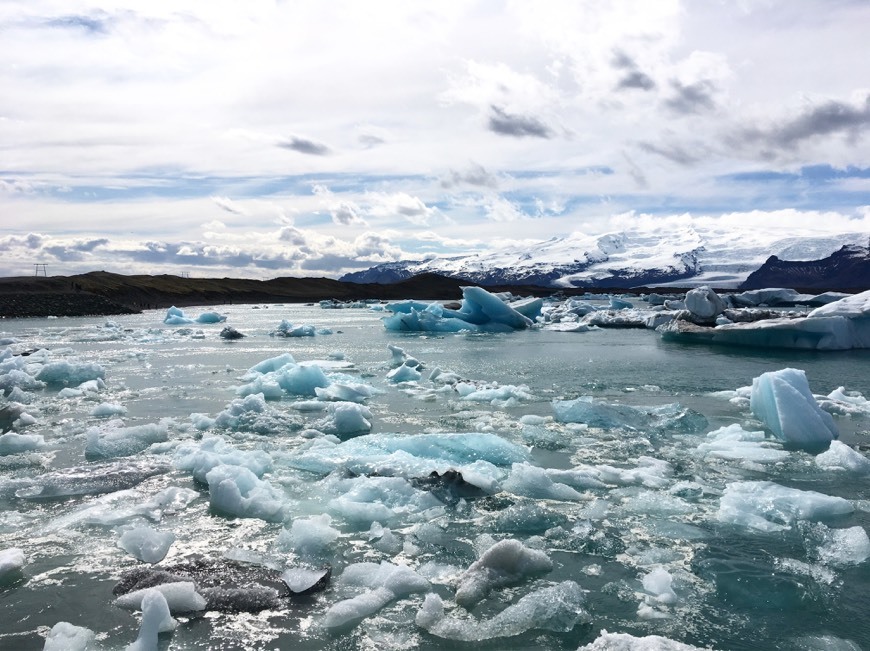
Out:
{"x": 633, "y": 77}
{"x": 474, "y": 175}
{"x": 346, "y": 213}
{"x": 517, "y": 126}
{"x": 225, "y": 203}
{"x": 691, "y": 98}
{"x": 402, "y": 204}
{"x": 636, "y": 79}
{"x": 824, "y": 119}
{"x": 673, "y": 151}
{"x": 305, "y": 146}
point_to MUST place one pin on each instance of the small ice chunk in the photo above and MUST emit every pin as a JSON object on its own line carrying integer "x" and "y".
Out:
{"x": 782, "y": 400}
{"x": 14, "y": 443}
{"x": 842, "y": 547}
{"x": 404, "y": 373}
{"x": 146, "y": 544}
{"x": 385, "y": 582}
{"x": 156, "y": 619}
{"x": 531, "y": 481}
{"x": 733, "y": 443}
{"x": 704, "y": 303}
{"x": 211, "y": 317}
{"x": 64, "y": 636}
{"x": 505, "y": 563}
{"x": 302, "y": 580}
{"x": 67, "y": 373}
{"x": 658, "y": 584}
{"x": 556, "y": 608}
{"x": 768, "y": 507}
{"x": 312, "y": 537}
{"x": 108, "y": 409}
{"x": 838, "y": 456}
{"x": 11, "y": 562}
{"x": 180, "y": 597}
{"x": 236, "y": 491}
{"x": 625, "y": 642}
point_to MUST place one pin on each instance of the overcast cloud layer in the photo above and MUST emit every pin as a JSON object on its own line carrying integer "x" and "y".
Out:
{"x": 265, "y": 138}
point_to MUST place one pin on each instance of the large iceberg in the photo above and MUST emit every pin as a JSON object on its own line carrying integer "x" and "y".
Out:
{"x": 782, "y": 400}
{"x": 480, "y": 311}
{"x": 840, "y": 325}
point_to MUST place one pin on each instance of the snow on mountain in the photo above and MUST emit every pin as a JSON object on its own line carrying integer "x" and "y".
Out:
{"x": 683, "y": 256}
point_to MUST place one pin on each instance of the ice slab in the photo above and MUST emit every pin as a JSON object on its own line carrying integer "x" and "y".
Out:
{"x": 384, "y": 583}
{"x": 212, "y": 451}
{"x": 112, "y": 440}
{"x": 733, "y": 443}
{"x": 507, "y": 562}
{"x": 782, "y": 400}
{"x": 14, "y": 443}
{"x": 556, "y": 608}
{"x": 767, "y": 507}
{"x": 626, "y": 642}
{"x": 840, "y": 456}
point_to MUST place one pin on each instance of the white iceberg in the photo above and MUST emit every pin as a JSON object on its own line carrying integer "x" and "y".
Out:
{"x": 64, "y": 636}
{"x": 505, "y": 563}
{"x": 146, "y": 544}
{"x": 768, "y": 507}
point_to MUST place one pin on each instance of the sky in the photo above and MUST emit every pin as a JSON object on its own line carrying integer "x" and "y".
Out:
{"x": 306, "y": 138}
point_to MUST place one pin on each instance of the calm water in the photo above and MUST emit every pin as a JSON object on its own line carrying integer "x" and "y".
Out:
{"x": 735, "y": 588}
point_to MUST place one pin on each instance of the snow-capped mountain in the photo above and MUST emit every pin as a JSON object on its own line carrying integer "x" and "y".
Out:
{"x": 684, "y": 257}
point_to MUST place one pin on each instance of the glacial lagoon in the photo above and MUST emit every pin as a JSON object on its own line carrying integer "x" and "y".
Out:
{"x": 686, "y": 519}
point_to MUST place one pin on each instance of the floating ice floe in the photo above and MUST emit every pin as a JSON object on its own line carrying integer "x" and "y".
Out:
{"x": 480, "y": 311}
{"x": 840, "y": 456}
{"x": 236, "y": 491}
{"x": 64, "y": 636}
{"x": 841, "y": 325}
{"x": 176, "y": 316}
{"x": 115, "y": 440}
{"x": 180, "y": 596}
{"x": 67, "y": 373}
{"x": 556, "y": 608}
{"x": 253, "y": 414}
{"x": 626, "y": 642}
{"x": 11, "y": 562}
{"x": 212, "y": 451}
{"x": 146, "y": 544}
{"x": 92, "y": 479}
{"x": 382, "y": 583}
{"x": 287, "y": 329}
{"x": 782, "y": 400}
{"x": 280, "y": 376}
{"x": 507, "y": 562}
{"x": 311, "y": 538}
{"x": 733, "y": 443}
{"x": 766, "y": 506}
{"x": 596, "y": 413}
{"x": 14, "y": 443}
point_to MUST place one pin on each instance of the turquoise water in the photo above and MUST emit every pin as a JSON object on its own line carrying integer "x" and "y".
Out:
{"x": 735, "y": 588}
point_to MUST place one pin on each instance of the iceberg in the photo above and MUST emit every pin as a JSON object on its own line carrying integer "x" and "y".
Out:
{"x": 213, "y": 451}
{"x": 704, "y": 303}
{"x": 14, "y": 443}
{"x": 113, "y": 440}
{"x": 156, "y": 619}
{"x": 480, "y": 311}
{"x": 841, "y": 325}
{"x": 782, "y": 400}
{"x": 840, "y": 456}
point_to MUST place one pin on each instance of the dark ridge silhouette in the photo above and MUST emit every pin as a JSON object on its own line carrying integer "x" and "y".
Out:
{"x": 847, "y": 269}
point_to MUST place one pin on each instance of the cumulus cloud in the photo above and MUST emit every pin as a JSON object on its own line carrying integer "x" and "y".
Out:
{"x": 402, "y": 204}
{"x": 517, "y": 126}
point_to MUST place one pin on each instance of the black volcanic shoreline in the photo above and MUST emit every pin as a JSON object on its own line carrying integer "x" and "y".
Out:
{"x": 104, "y": 293}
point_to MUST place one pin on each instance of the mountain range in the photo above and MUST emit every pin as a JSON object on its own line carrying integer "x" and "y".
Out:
{"x": 683, "y": 257}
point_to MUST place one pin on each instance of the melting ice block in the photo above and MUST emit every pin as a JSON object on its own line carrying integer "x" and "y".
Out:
{"x": 146, "y": 544}
{"x": 156, "y": 619}
{"x": 506, "y": 562}
{"x": 766, "y": 506}
{"x": 782, "y": 400}
{"x": 11, "y": 562}
{"x": 235, "y": 490}
{"x": 64, "y": 636}
{"x": 556, "y": 608}
{"x": 625, "y": 642}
